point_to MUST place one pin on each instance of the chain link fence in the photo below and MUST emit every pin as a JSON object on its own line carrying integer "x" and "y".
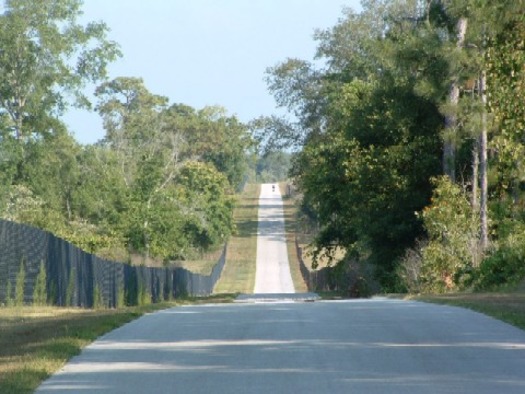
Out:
{"x": 77, "y": 278}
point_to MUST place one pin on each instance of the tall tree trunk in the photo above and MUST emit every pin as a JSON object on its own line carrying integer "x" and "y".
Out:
{"x": 475, "y": 178}
{"x": 484, "y": 165}
{"x": 449, "y": 146}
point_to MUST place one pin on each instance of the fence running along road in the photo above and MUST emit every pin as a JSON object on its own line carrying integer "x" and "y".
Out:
{"x": 78, "y": 278}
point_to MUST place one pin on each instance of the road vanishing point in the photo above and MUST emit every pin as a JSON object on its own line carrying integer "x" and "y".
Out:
{"x": 274, "y": 342}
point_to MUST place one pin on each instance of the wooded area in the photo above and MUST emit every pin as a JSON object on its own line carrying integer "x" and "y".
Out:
{"x": 161, "y": 182}
{"x": 407, "y": 140}
{"x": 409, "y": 134}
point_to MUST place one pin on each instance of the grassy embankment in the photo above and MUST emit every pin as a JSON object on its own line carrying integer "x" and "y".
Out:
{"x": 37, "y": 341}
{"x": 238, "y": 275}
{"x": 508, "y": 305}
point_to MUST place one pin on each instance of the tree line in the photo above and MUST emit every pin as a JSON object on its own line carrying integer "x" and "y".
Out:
{"x": 408, "y": 130}
{"x": 161, "y": 182}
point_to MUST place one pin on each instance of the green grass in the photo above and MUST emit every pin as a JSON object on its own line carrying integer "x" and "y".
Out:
{"x": 238, "y": 275}
{"x": 35, "y": 342}
{"x": 508, "y": 306}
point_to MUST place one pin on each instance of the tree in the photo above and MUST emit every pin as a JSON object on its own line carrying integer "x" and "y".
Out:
{"x": 211, "y": 136}
{"x": 207, "y": 204}
{"x": 147, "y": 153}
{"x": 46, "y": 60}
{"x": 45, "y": 56}
{"x": 372, "y": 131}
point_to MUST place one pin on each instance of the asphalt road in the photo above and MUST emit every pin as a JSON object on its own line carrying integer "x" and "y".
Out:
{"x": 368, "y": 346}
{"x": 261, "y": 345}
{"x": 272, "y": 273}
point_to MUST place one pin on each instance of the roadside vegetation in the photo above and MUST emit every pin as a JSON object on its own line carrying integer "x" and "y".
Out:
{"x": 157, "y": 188}
{"x": 408, "y": 160}
{"x": 409, "y": 143}
{"x": 238, "y": 275}
{"x": 290, "y": 223}
{"x": 35, "y": 342}
{"x": 505, "y": 305}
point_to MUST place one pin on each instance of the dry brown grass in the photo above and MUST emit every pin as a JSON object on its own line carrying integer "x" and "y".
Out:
{"x": 238, "y": 275}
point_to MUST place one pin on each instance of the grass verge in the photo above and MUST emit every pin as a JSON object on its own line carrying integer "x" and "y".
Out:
{"x": 290, "y": 223}
{"x": 238, "y": 275}
{"x": 506, "y": 306}
{"x": 37, "y": 341}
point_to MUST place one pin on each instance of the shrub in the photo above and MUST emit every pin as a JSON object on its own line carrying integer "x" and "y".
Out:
{"x": 506, "y": 265}
{"x": 121, "y": 297}
{"x": 409, "y": 269}
{"x": 40, "y": 291}
{"x": 70, "y": 291}
{"x": 98, "y": 299}
{"x": 9, "y": 301}
{"x": 20, "y": 283}
{"x": 453, "y": 238}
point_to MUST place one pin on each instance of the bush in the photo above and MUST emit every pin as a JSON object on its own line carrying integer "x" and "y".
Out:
{"x": 453, "y": 239}
{"x": 20, "y": 283}
{"x": 98, "y": 299}
{"x": 9, "y": 301}
{"x": 70, "y": 291}
{"x": 40, "y": 291}
{"x": 409, "y": 269}
{"x": 506, "y": 265}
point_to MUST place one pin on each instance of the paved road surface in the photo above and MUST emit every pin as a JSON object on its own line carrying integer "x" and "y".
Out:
{"x": 370, "y": 346}
{"x": 273, "y": 270}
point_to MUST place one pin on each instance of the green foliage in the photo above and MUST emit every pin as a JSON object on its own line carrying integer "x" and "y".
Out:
{"x": 71, "y": 288}
{"x": 374, "y": 123}
{"x": 209, "y": 213}
{"x": 273, "y": 167}
{"x": 40, "y": 289}
{"x": 144, "y": 298}
{"x": 365, "y": 183}
{"x": 20, "y": 284}
{"x": 46, "y": 56}
{"x": 453, "y": 238}
{"x": 98, "y": 299}
{"x": 9, "y": 300}
{"x": 121, "y": 297}
{"x": 506, "y": 265}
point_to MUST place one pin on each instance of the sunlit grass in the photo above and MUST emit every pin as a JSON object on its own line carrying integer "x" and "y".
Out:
{"x": 35, "y": 342}
{"x": 506, "y": 306}
{"x": 238, "y": 275}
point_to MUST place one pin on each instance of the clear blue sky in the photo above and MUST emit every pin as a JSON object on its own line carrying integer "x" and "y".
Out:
{"x": 207, "y": 52}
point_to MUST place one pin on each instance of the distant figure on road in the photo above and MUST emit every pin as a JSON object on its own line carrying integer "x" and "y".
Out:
{"x": 273, "y": 188}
